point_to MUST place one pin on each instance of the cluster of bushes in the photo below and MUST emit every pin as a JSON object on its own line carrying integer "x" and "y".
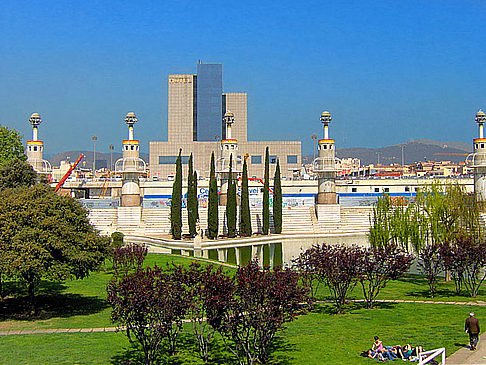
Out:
{"x": 246, "y": 309}
{"x": 463, "y": 259}
{"x": 244, "y": 228}
{"x": 342, "y": 267}
{"x": 442, "y": 228}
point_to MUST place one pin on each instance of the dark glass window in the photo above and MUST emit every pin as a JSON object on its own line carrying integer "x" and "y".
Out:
{"x": 387, "y": 190}
{"x": 273, "y": 158}
{"x": 354, "y": 190}
{"x": 291, "y": 158}
{"x": 256, "y": 159}
{"x": 171, "y": 160}
{"x": 377, "y": 190}
{"x": 407, "y": 188}
{"x": 209, "y": 101}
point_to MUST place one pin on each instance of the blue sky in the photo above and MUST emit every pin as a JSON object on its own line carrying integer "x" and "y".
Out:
{"x": 389, "y": 71}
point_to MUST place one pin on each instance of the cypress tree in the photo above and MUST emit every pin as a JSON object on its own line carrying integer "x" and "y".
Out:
{"x": 266, "y": 195}
{"x": 176, "y": 203}
{"x": 196, "y": 206}
{"x": 231, "y": 203}
{"x": 213, "y": 202}
{"x": 277, "y": 200}
{"x": 191, "y": 199}
{"x": 245, "y": 217}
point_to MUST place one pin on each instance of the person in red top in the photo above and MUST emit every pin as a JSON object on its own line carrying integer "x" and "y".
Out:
{"x": 472, "y": 328}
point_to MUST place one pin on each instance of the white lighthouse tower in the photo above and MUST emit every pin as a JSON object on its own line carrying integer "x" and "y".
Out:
{"x": 131, "y": 166}
{"x": 325, "y": 165}
{"x": 478, "y": 161}
{"x": 35, "y": 148}
{"x": 229, "y": 149}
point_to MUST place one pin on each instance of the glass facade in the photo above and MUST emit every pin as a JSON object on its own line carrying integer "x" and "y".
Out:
{"x": 291, "y": 158}
{"x": 209, "y": 101}
{"x": 256, "y": 159}
{"x": 171, "y": 160}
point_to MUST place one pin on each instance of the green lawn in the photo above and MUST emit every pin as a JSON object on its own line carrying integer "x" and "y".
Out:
{"x": 319, "y": 337}
{"x": 411, "y": 288}
{"x": 73, "y": 304}
{"x": 315, "y": 338}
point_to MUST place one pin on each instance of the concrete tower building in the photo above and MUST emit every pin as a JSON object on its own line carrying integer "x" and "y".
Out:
{"x": 196, "y": 108}
{"x": 325, "y": 165}
{"x": 35, "y": 148}
{"x": 131, "y": 166}
{"x": 479, "y": 159}
{"x": 229, "y": 151}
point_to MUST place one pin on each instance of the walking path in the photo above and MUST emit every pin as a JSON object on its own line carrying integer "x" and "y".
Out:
{"x": 462, "y": 356}
{"x": 466, "y": 356}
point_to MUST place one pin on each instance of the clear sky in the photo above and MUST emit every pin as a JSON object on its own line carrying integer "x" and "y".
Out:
{"x": 388, "y": 71}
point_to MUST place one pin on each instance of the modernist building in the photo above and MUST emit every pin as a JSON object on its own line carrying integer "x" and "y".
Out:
{"x": 197, "y": 105}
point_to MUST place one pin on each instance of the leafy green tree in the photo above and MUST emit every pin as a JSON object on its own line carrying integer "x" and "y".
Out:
{"x": 176, "y": 203}
{"x": 16, "y": 172}
{"x": 231, "y": 203}
{"x": 245, "y": 217}
{"x": 213, "y": 202}
{"x": 11, "y": 145}
{"x": 192, "y": 209}
{"x": 46, "y": 236}
{"x": 266, "y": 195}
{"x": 277, "y": 200}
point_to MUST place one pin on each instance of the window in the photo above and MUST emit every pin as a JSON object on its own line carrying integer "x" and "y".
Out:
{"x": 256, "y": 159}
{"x": 377, "y": 190}
{"x": 273, "y": 159}
{"x": 417, "y": 189}
{"x": 354, "y": 190}
{"x": 171, "y": 160}
{"x": 407, "y": 188}
{"x": 325, "y": 146}
{"x": 291, "y": 158}
{"x": 238, "y": 160}
{"x": 387, "y": 190}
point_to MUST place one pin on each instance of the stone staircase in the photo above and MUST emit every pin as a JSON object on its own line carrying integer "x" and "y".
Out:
{"x": 355, "y": 219}
{"x": 329, "y": 218}
{"x": 104, "y": 220}
{"x": 156, "y": 221}
{"x": 297, "y": 220}
{"x": 129, "y": 220}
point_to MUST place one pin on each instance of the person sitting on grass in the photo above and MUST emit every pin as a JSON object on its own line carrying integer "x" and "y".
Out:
{"x": 386, "y": 353}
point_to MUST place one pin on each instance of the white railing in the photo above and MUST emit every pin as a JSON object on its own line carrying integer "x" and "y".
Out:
{"x": 427, "y": 356}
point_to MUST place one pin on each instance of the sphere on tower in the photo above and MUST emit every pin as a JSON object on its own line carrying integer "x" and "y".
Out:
{"x": 480, "y": 117}
{"x": 130, "y": 118}
{"x": 326, "y": 117}
{"x": 35, "y": 119}
{"x": 229, "y": 117}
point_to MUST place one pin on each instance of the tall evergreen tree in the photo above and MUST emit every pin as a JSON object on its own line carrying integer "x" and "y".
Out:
{"x": 245, "y": 217}
{"x": 196, "y": 206}
{"x": 213, "y": 202}
{"x": 176, "y": 203}
{"x": 191, "y": 198}
{"x": 231, "y": 203}
{"x": 277, "y": 200}
{"x": 266, "y": 195}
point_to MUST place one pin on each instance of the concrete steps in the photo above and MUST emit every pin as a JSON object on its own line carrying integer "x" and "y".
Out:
{"x": 104, "y": 220}
{"x": 355, "y": 219}
{"x": 297, "y": 220}
{"x": 129, "y": 220}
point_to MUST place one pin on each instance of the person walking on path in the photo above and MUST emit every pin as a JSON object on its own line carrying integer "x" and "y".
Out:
{"x": 472, "y": 328}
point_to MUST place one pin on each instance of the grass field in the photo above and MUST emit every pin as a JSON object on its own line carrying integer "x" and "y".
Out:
{"x": 320, "y": 337}
{"x": 315, "y": 338}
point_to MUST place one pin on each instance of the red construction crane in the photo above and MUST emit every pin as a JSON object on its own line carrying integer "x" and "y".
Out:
{"x": 68, "y": 173}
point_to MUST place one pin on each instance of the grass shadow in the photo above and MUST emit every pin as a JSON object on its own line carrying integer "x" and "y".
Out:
{"x": 349, "y": 307}
{"x": 50, "y": 306}
{"x": 188, "y": 353}
{"x": 279, "y": 351}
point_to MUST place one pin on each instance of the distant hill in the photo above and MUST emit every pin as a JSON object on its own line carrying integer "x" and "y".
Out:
{"x": 413, "y": 151}
{"x": 102, "y": 159}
